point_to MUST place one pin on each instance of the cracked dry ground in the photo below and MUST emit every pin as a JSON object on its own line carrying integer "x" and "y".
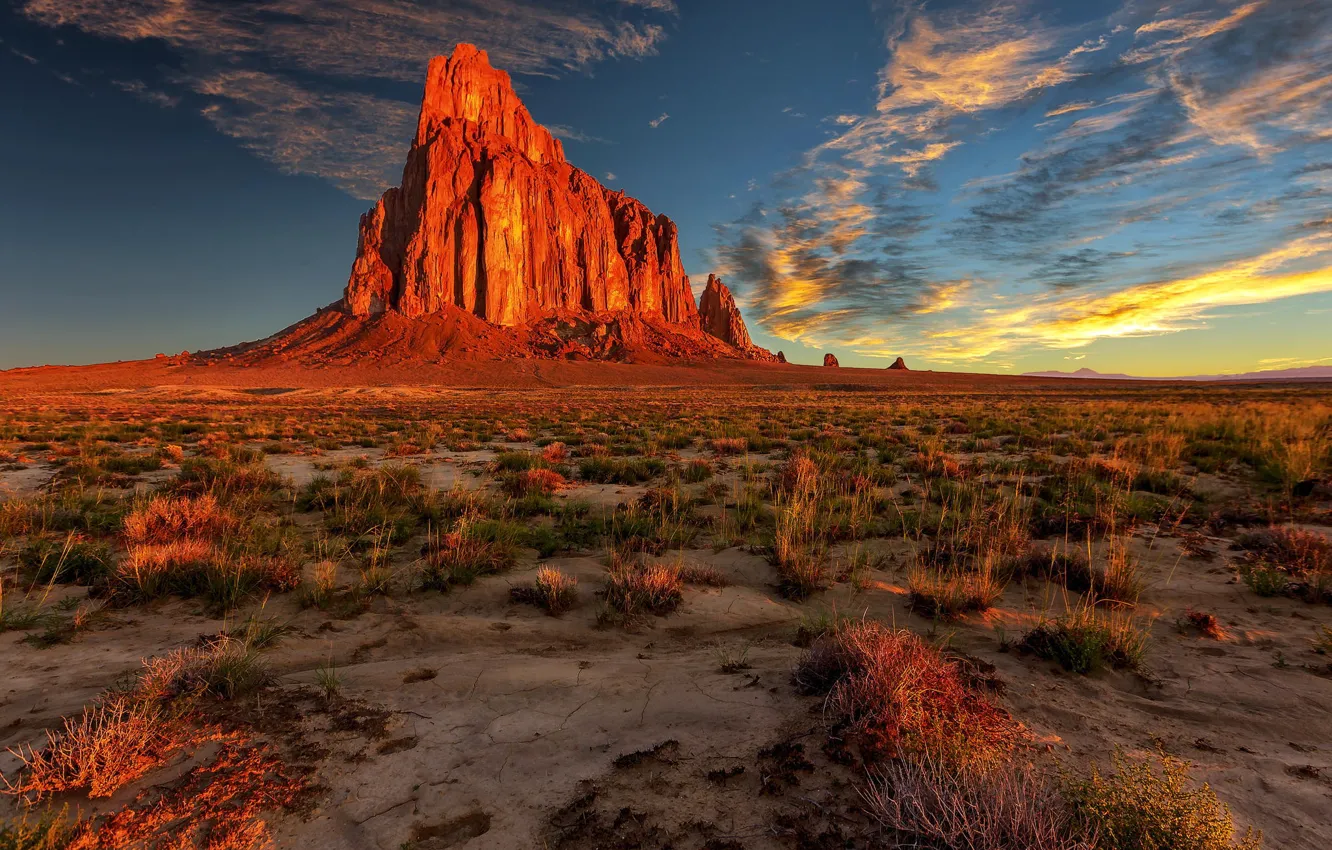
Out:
{"x": 504, "y": 727}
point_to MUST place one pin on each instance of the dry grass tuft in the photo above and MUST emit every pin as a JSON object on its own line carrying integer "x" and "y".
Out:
{"x": 109, "y": 745}
{"x": 1088, "y": 638}
{"x": 537, "y": 481}
{"x": 553, "y": 591}
{"x": 950, "y": 594}
{"x": 897, "y": 695}
{"x": 633, "y": 589}
{"x": 167, "y": 520}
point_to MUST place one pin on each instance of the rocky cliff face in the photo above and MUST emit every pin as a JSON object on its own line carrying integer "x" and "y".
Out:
{"x": 490, "y": 218}
{"x": 830, "y": 360}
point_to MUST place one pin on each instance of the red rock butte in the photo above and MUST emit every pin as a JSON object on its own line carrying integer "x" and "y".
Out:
{"x": 495, "y": 246}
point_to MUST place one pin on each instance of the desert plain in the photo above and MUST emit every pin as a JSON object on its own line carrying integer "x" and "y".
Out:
{"x": 608, "y": 606}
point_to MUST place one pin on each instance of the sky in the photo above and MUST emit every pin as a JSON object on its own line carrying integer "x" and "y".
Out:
{"x": 1128, "y": 186}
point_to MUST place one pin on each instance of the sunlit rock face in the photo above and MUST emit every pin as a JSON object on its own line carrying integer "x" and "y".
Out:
{"x": 830, "y": 360}
{"x": 490, "y": 218}
{"x": 720, "y": 316}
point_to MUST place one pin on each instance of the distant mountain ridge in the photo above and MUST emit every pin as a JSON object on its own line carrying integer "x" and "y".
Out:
{"x": 1303, "y": 373}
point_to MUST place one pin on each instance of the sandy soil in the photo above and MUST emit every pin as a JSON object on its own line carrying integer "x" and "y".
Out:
{"x": 516, "y": 710}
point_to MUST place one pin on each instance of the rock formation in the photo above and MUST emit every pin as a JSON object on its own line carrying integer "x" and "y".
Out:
{"x": 900, "y": 365}
{"x": 719, "y": 316}
{"x": 495, "y": 247}
{"x": 492, "y": 219}
{"x": 830, "y": 360}
{"x": 781, "y": 357}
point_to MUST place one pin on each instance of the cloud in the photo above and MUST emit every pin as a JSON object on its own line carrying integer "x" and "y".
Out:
{"x": 658, "y": 121}
{"x": 1155, "y": 140}
{"x": 611, "y": 177}
{"x": 569, "y": 134}
{"x": 299, "y": 80}
{"x": 1300, "y": 267}
{"x": 836, "y": 255}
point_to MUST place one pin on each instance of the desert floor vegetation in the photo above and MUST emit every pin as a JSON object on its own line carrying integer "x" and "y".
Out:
{"x": 733, "y": 618}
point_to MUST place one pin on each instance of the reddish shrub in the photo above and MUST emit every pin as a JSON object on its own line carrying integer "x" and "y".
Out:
{"x": 537, "y": 481}
{"x": 897, "y": 695}
{"x": 166, "y": 520}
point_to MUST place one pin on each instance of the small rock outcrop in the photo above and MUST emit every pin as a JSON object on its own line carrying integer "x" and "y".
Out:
{"x": 900, "y": 365}
{"x": 781, "y": 357}
{"x": 830, "y": 360}
{"x": 719, "y": 316}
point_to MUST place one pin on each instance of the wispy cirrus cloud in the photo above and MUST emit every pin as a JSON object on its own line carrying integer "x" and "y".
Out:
{"x": 304, "y": 83}
{"x": 1198, "y": 113}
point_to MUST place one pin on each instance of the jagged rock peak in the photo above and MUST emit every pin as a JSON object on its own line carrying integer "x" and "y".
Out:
{"x": 900, "y": 365}
{"x": 464, "y": 87}
{"x": 491, "y": 219}
{"x": 719, "y": 315}
{"x": 830, "y": 360}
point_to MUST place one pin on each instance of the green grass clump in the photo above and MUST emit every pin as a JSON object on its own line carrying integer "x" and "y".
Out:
{"x": 68, "y": 561}
{"x": 620, "y": 470}
{"x": 1088, "y": 639}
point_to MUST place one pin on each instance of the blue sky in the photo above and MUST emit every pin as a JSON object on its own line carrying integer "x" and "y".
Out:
{"x": 985, "y": 186}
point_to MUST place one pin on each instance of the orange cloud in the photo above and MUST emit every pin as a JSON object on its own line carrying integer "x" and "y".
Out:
{"x": 1146, "y": 309}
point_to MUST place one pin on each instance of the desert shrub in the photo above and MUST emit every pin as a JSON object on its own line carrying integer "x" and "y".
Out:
{"x": 555, "y": 452}
{"x": 800, "y": 474}
{"x": 1291, "y": 561}
{"x": 895, "y": 695}
{"x": 165, "y": 520}
{"x": 519, "y": 461}
{"x": 105, "y": 466}
{"x": 799, "y": 551}
{"x": 924, "y": 802}
{"x": 463, "y": 555}
{"x": 1150, "y": 804}
{"x": 1118, "y": 579}
{"x": 1292, "y": 549}
{"x": 224, "y": 478}
{"x": 1087, "y": 639}
{"x": 553, "y": 590}
{"x": 634, "y": 588}
{"x": 728, "y": 445}
{"x": 1264, "y": 580}
{"x": 362, "y": 503}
